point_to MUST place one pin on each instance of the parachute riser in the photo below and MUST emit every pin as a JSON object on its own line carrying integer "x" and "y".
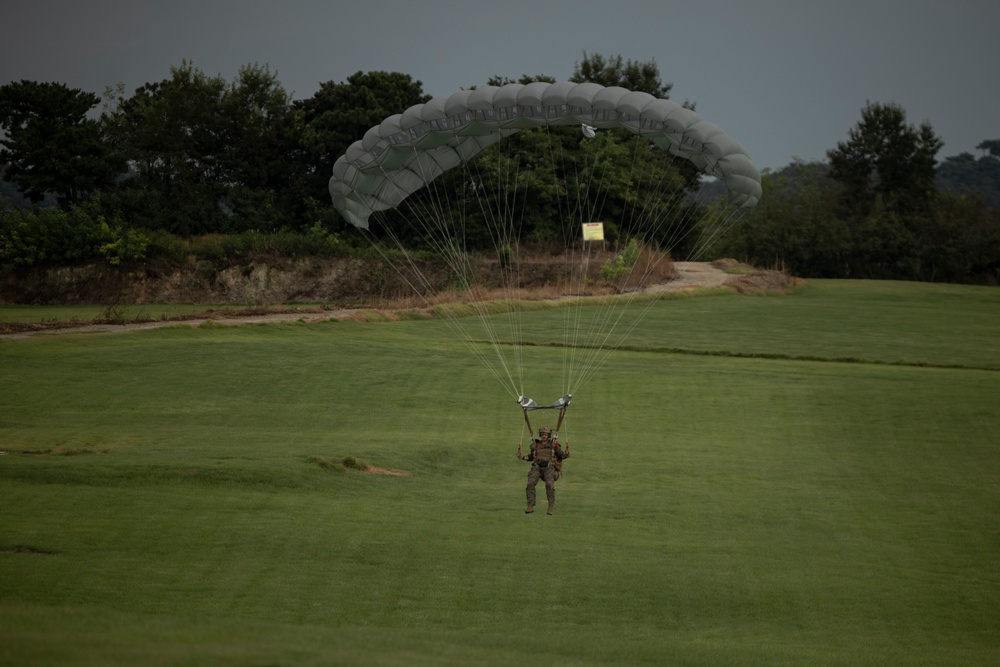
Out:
{"x": 528, "y": 405}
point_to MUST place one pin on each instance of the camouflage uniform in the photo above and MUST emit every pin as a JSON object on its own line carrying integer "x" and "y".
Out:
{"x": 546, "y": 464}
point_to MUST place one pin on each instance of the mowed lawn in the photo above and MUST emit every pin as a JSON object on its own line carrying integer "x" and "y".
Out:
{"x": 774, "y": 480}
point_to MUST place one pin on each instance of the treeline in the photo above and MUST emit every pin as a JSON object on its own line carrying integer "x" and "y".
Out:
{"x": 197, "y": 157}
{"x": 187, "y": 157}
{"x": 193, "y": 154}
{"x": 879, "y": 209}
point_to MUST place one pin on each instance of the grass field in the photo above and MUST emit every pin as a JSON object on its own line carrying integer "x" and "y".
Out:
{"x": 811, "y": 479}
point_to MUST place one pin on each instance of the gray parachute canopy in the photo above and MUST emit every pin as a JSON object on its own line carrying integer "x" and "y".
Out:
{"x": 409, "y": 150}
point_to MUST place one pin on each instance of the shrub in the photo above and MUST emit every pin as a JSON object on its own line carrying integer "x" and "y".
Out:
{"x": 621, "y": 264}
{"x": 122, "y": 245}
{"x": 57, "y": 237}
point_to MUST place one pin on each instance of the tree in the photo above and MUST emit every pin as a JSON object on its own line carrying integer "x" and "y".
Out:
{"x": 172, "y": 133}
{"x": 525, "y": 79}
{"x": 886, "y": 171}
{"x": 340, "y": 113}
{"x": 964, "y": 174}
{"x": 793, "y": 226}
{"x": 614, "y": 175}
{"x": 990, "y": 145}
{"x": 638, "y": 76}
{"x": 886, "y": 162}
{"x": 613, "y": 71}
{"x": 261, "y": 163}
{"x": 49, "y": 143}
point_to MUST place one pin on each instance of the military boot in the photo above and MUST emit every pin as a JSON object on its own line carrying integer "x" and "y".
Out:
{"x": 529, "y": 509}
{"x": 552, "y": 507}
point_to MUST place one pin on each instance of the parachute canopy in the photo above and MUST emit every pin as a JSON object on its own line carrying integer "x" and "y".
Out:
{"x": 409, "y": 150}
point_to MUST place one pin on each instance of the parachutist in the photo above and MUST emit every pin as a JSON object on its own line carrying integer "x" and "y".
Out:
{"x": 546, "y": 457}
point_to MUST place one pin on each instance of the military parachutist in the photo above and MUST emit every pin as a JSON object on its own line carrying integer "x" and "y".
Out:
{"x": 546, "y": 454}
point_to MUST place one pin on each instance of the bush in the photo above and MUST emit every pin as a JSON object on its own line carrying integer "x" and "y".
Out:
{"x": 122, "y": 244}
{"x": 621, "y": 264}
{"x": 82, "y": 234}
{"x": 59, "y": 237}
{"x": 221, "y": 249}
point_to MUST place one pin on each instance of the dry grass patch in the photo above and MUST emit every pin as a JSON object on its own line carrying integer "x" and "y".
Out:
{"x": 352, "y": 463}
{"x": 63, "y": 451}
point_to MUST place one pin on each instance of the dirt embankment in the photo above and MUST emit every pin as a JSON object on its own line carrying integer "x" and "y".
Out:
{"x": 346, "y": 285}
{"x": 250, "y": 283}
{"x": 727, "y": 273}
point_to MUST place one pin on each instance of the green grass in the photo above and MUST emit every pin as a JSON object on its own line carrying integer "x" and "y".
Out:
{"x": 736, "y": 494}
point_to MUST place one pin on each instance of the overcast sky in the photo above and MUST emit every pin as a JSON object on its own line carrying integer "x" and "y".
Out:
{"x": 786, "y": 78}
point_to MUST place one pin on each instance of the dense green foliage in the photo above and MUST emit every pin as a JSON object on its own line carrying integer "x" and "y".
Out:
{"x": 50, "y": 146}
{"x": 194, "y": 154}
{"x": 964, "y": 174}
{"x": 802, "y": 480}
{"x": 879, "y": 209}
{"x": 885, "y": 163}
{"x": 63, "y": 236}
{"x": 613, "y": 71}
{"x": 83, "y": 234}
{"x": 339, "y": 114}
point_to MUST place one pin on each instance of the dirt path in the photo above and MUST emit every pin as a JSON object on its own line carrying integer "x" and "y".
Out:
{"x": 691, "y": 275}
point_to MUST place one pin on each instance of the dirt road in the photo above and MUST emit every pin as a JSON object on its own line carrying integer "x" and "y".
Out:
{"x": 691, "y": 275}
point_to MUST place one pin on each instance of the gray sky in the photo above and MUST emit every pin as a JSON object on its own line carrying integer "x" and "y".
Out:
{"x": 786, "y": 78}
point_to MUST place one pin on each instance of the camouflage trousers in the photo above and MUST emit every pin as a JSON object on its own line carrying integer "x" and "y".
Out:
{"x": 549, "y": 475}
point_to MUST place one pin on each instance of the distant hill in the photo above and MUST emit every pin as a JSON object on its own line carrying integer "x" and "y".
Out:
{"x": 965, "y": 174}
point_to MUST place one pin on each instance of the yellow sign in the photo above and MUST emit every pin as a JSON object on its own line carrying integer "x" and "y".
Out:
{"x": 593, "y": 231}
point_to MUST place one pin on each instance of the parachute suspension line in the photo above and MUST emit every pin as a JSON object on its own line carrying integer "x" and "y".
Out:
{"x": 573, "y": 311}
{"x": 511, "y": 251}
{"x": 498, "y": 218}
{"x": 576, "y": 212}
{"x": 458, "y": 258}
{"x": 494, "y": 218}
{"x": 590, "y": 183}
{"x": 429, "y": 218}
{"x": 575, "y": 207}
{"x": 504, "y": 235}
{"x": 642, "y": 224}
{"x": 566, "y": 211}
{"x": 596, "y": 172}
{"x": 405, "y": 155}
{"x": 603, "y": 322}
{"x": 424, "y": 292}
{"x": 725, "y": 220}
{"x": 720, "y": 219}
